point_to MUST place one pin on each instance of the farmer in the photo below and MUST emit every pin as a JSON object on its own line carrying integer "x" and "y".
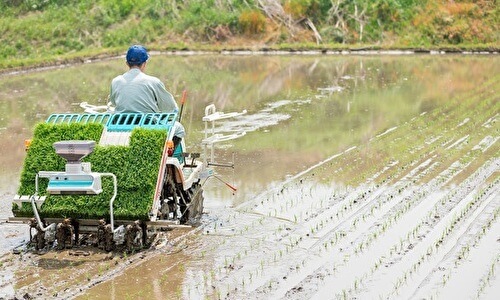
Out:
{"x": 136, "y": 91}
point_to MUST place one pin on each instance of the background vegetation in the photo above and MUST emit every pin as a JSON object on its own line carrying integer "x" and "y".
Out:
{"x": 51, "y": 31}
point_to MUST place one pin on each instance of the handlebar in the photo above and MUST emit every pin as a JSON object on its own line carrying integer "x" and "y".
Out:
{"x": 97, "y": 109}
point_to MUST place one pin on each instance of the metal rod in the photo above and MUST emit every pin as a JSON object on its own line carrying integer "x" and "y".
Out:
{"x": 221, "y": 165}
{"x": 115, "y": 191}
{"x": 35, "y": 210}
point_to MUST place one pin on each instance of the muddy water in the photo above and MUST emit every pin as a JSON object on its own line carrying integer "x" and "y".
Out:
{"x": 301, "y": 110}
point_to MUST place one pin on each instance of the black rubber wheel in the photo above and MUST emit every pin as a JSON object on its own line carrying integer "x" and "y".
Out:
{"x": 196, "y": 204}
{"x": 169, "y": 196}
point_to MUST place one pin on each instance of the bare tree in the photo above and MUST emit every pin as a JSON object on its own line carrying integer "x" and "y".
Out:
{"x": 274, "y": 10}
{"x": 343, "y": 11}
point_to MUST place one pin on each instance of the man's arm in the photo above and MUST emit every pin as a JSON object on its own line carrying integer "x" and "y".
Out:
{"x": 165, "y": 100}
{"x": 111, "y": 96}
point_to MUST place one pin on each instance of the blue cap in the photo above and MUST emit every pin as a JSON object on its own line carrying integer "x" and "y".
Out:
{"x": 136, "y": 55}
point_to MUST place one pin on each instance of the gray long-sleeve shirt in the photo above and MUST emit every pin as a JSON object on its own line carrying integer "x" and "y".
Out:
{"x": 135, "y": 91}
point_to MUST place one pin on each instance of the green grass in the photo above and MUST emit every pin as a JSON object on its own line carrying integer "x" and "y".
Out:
{"x": 39, "y": 32}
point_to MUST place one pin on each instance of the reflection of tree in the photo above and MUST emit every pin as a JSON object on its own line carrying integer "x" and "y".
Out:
{"x": 236, "y": 83}
{"x": 376, "y": 92}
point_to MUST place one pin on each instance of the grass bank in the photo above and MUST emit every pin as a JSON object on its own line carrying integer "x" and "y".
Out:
{"x": 41, "y": 32}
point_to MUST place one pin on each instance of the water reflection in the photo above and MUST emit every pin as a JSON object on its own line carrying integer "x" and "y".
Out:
{"x": 300, "y": 109}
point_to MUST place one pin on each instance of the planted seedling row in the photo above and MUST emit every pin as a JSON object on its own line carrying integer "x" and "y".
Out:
{"x": 367, "y": 203}
{"x": 338, "y": 235}
{"x": 440, "y": 181}
{"x": 358, "y": 281}
{"x": 450, "y": 267}
{"x": 295, "y": 227}
{"x": 407, "y": 204}
{"x": 451, "y": 228}
{"x": 384, "y": 258}
{"x": 418, "y": 232}
{"x": 436, "y": 186}
{"x": 400, "y": 209}
{"x": 436, "y": 252}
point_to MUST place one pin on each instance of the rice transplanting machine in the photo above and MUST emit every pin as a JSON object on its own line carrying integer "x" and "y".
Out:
{"x": 178, "y": 196}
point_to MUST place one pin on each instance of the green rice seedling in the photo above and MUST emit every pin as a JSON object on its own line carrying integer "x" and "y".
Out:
{"x": 181, "y": 267}
{"x": 136, "y": 177}
{"x": 445, "y": 279}
{"x": 178, "y": 292}
{"x": 354, "y": 223}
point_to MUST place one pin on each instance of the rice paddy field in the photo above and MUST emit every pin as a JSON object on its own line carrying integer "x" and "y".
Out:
{"x": 372, "y": 177}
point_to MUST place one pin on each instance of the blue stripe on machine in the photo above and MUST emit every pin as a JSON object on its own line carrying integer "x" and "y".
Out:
{"x": 66, "y": 183}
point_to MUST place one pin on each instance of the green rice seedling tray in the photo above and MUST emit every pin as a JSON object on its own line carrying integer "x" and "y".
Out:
{"x": 136, "y": 167}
